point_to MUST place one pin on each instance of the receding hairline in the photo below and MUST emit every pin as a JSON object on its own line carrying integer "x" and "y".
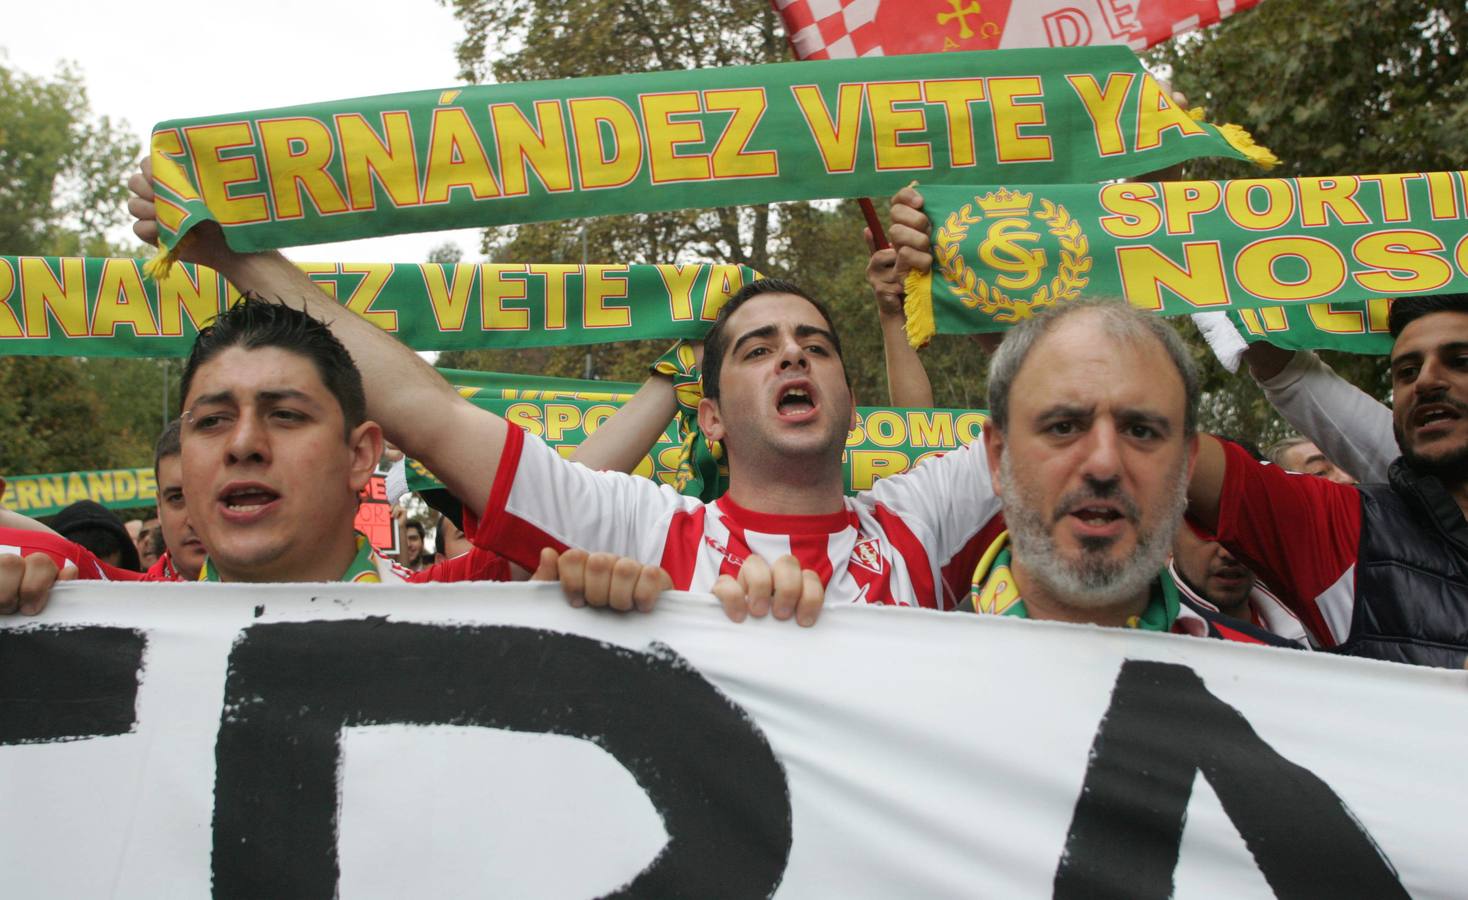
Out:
{"x": 1135, "y": 337}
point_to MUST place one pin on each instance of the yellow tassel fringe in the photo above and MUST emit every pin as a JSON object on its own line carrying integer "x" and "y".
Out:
{"x": 160, "y": 265}
{"x": 1241, "y": 140}
{"x": 919, "y": 309}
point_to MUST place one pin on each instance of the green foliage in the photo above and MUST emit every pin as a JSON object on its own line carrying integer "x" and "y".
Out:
{"x": 62, "y": 188}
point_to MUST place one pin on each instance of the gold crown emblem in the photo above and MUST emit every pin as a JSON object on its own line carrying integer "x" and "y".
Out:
{"x": 1005, "y": 202}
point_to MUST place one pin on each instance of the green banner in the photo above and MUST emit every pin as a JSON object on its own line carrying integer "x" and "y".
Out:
{"x": 546, "y": 150}
{"x": 76, "y": 306}
{"x": 1355, "y": 327}
{"x": 1188, "y": 246}
{"x": 44, "y": 495}
{"x": 563, "y": 411}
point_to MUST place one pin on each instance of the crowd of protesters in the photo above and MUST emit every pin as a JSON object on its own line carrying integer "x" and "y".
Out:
{"x": 1092, "y": 497}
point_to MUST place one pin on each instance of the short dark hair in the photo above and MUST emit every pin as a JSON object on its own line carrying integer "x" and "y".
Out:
{"x": 416, "y": 526}
{"x": 716, "y": 342}
{"x": 254, "y": 323}
{"x": 168, "y": 443}
{"x": 1405, "y": 310}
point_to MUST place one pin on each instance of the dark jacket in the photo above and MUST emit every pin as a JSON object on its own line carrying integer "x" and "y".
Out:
{"x": 1411, "y": 573}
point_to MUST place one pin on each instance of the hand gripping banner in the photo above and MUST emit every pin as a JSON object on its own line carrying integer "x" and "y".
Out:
{"x": 1252, "y": 246}
{"x": 547, "y": 150}
{"x": 76, "y": 306}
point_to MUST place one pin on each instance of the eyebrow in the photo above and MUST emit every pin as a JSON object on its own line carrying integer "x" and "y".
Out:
{"x": 228, "y": 396}
{"x": 1417, "y": 355}
{"x": 1127, "y": 414}
{"x": 763, "y": 331}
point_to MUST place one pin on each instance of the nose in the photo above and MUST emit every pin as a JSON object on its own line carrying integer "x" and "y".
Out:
{"x": 248, "y": 441}
{"x": 792, "y": 354}
{"x": 1102, "y": 449}
{"x": 1432, "y": 378}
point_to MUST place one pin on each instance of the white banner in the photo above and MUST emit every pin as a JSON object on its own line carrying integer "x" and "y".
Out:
{"x": 165, "y": 741}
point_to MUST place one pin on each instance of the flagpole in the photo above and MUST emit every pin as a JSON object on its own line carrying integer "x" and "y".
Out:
{"x": 874, "y": 223}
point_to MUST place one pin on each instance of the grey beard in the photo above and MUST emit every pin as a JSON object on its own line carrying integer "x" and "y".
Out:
{"x": 1092, "y": 581}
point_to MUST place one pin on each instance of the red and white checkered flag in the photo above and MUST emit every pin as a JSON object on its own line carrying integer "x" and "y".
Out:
{"x": 844, "y": 29}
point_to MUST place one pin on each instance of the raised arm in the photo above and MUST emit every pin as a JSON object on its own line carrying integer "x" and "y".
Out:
{"x": 907, "y": 380}
{"x": 418, "y": 410}
{"x": 1352, "y": 428}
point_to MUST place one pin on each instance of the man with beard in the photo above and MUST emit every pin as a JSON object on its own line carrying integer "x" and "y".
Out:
{"x": 1377, "y": 570}
{"x": 1090, "y": 443}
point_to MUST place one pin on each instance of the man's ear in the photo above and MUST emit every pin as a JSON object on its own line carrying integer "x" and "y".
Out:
{"x": 993, "y": 449}
{"x": 709, "y": 420}
{"x": 365, "y": 446}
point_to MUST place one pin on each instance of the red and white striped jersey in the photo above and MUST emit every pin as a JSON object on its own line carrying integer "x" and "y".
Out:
{"x": 1300, "y": 534}
{"x": 912, "y": 540}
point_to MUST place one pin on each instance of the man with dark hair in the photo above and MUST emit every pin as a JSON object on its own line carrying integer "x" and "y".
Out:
{"x": 183, "y": 553}
{"x": 779, "y": 406}
{"x": 1379, "y": 570}
{"x": 410, "y": 556}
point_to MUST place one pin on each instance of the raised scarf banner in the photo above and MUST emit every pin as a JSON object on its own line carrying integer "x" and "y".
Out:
{"x": 837, "y": 29}
{"x": 545, "y": 150}
{"x": 85, "y": 306}
{"x": 563, "y": 411}
{"x": 1358, "y": 326}
{"x": 1183, "y": 247}
{"x": 249, "y": 741}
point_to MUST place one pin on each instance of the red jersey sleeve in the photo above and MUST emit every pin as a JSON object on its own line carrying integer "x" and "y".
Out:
{"x": 476, "y": 565}
{"x": 22, "y": 542}
{"x": 1299, "y": 533}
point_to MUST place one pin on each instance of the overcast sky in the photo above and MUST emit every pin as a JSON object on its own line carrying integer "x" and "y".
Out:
{"x": 148, "y": 62}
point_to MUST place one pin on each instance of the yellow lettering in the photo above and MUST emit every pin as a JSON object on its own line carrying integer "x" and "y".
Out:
{"x": 1442, "y": 196}
{"x": 1103, "y": 105}
{"x": 121, "y": 299}
{"x": 542, "y": 148}
{"x": 889, "y": 124}
{"x": 1393, "y": 194}
{"x": 1186, "y": 199}
{"x": 1238, "y": 200}
{"x": 297, "y": 152}
{"x": 559, "y": 419}
{"x": 724, "y": 282}
{"x": 389, "y": 160}
{"x": 1336, "y": 321}
{"x": 1321, "y": 197}
{"x": 731, "y": 157}
{"x": 374, "y": 276}
{"x": 1199, "y": 280}
{"x": 596, "y": 168}
{"x": 65, "y": 298}
{"x": 28, "y": 495}
{"x": 835, "y": 140}
{"x": 869, "y": 465}
{"x": 664, "y": 136}
{"x": 555, "y": 275}
{"x": 99, "y": 486}
{"x": 1325, "y": 268}
{"x": 449, "y": 299}
{"x": 1156, "y": 114}
{"x": 1401, "y": 262}
{"x": 191, "y": 290}
{"x": 494, "y": 290}
{"x": 1010, "y": 115}
{"x": 603, "y": 283}
{"x": 456, "y": 159}
{"x": 9, "y": 324}
{"x": 1133, "y": 215}
{"x": 957, "y": 96}
{"x": 218, "y": 173}
{"x": 932, "y": 429}
{"x": 526, "y": 416}
{"x": 968, "y": 427}
{"x": 679, "y": 281}
{"x": 147, "y": 483}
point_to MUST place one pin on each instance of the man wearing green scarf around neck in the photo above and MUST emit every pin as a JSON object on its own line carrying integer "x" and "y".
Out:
{"x": 1090, "y": 444}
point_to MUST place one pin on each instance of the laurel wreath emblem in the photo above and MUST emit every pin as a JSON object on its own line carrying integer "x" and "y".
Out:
{"x": 976, "y": 293}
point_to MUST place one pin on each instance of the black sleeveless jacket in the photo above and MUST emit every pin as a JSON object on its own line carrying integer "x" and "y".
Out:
{"x": 1411, "y": 573}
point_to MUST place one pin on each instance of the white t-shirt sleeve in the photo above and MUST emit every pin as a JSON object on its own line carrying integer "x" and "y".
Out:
{"x": 540, "y": 499}
{"x": 947, "y": 501}
{"x": 1352, "y": 429}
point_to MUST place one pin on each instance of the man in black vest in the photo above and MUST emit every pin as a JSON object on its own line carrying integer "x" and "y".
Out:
{"x": 1376, "y": 570}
